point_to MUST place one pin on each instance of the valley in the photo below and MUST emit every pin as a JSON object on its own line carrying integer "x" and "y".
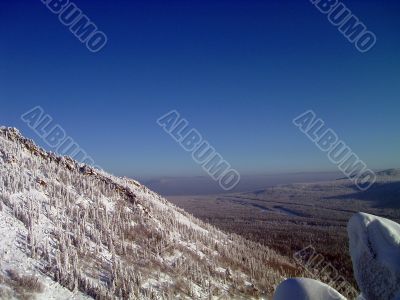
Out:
{"x": 291, "y": 217}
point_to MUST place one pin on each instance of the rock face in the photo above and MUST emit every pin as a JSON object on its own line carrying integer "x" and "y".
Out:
{"x": 69, "y": 231}
{"x": 375, "y": 252}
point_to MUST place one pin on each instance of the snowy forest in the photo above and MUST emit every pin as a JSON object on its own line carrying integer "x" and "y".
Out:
{"x": 95, "y": 235}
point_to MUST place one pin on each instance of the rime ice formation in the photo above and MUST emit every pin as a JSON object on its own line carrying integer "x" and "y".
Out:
{"x": 375, "y": 252}
{"x": 68, "y": 231}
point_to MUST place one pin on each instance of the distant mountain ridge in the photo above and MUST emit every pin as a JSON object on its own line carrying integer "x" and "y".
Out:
{"x": 389, "y": 172}
{"x": 384, "y": 174}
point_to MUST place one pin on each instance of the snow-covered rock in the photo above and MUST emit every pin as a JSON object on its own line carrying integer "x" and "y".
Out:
{"x": 305, "y": 289}
{"x": 375, "y": 252}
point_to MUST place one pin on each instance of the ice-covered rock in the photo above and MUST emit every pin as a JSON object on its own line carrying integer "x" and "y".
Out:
{"x": 375, "y": 252}
{"x": 305, "y": 289}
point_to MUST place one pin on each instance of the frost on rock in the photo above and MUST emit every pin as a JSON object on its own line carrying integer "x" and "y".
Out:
{"x": 306, "y": 289}
{"x": 375, "y": 252}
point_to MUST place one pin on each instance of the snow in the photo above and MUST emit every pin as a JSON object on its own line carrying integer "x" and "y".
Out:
{"x": 374, "y": 241}
{"x": 152, "y": 197}
{"x": 53, "y": 214}
{"x": 375, "y": 252}
{"x": 305, "y": 289}
{"x": 12, "y": 257}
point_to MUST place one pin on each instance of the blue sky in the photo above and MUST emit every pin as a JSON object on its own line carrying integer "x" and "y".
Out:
{"x": 238, "y": 71}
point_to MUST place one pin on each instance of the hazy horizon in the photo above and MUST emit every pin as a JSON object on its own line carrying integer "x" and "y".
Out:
{"x": 204, "y": 185}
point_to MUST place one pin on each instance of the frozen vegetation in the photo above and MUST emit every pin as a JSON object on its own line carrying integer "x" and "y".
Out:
{"x": 291, "y": 217}
{"x": 69, "y": 231}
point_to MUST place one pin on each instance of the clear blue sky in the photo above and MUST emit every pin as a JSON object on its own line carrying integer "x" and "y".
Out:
{"x": 239, "y": 71}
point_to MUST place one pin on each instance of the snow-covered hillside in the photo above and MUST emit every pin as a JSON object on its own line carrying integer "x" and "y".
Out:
{"x": 69, "y": 231}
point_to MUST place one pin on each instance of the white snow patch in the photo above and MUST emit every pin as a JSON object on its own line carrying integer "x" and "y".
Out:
{"x": 305, "y": 289}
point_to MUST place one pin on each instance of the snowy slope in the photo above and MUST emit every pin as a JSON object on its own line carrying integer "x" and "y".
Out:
{"x": 69, "y": 231}
{"x": 375, "y": 252}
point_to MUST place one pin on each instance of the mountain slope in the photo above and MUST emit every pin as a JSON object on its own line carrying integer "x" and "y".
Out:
{"x": 69, "y": 231}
